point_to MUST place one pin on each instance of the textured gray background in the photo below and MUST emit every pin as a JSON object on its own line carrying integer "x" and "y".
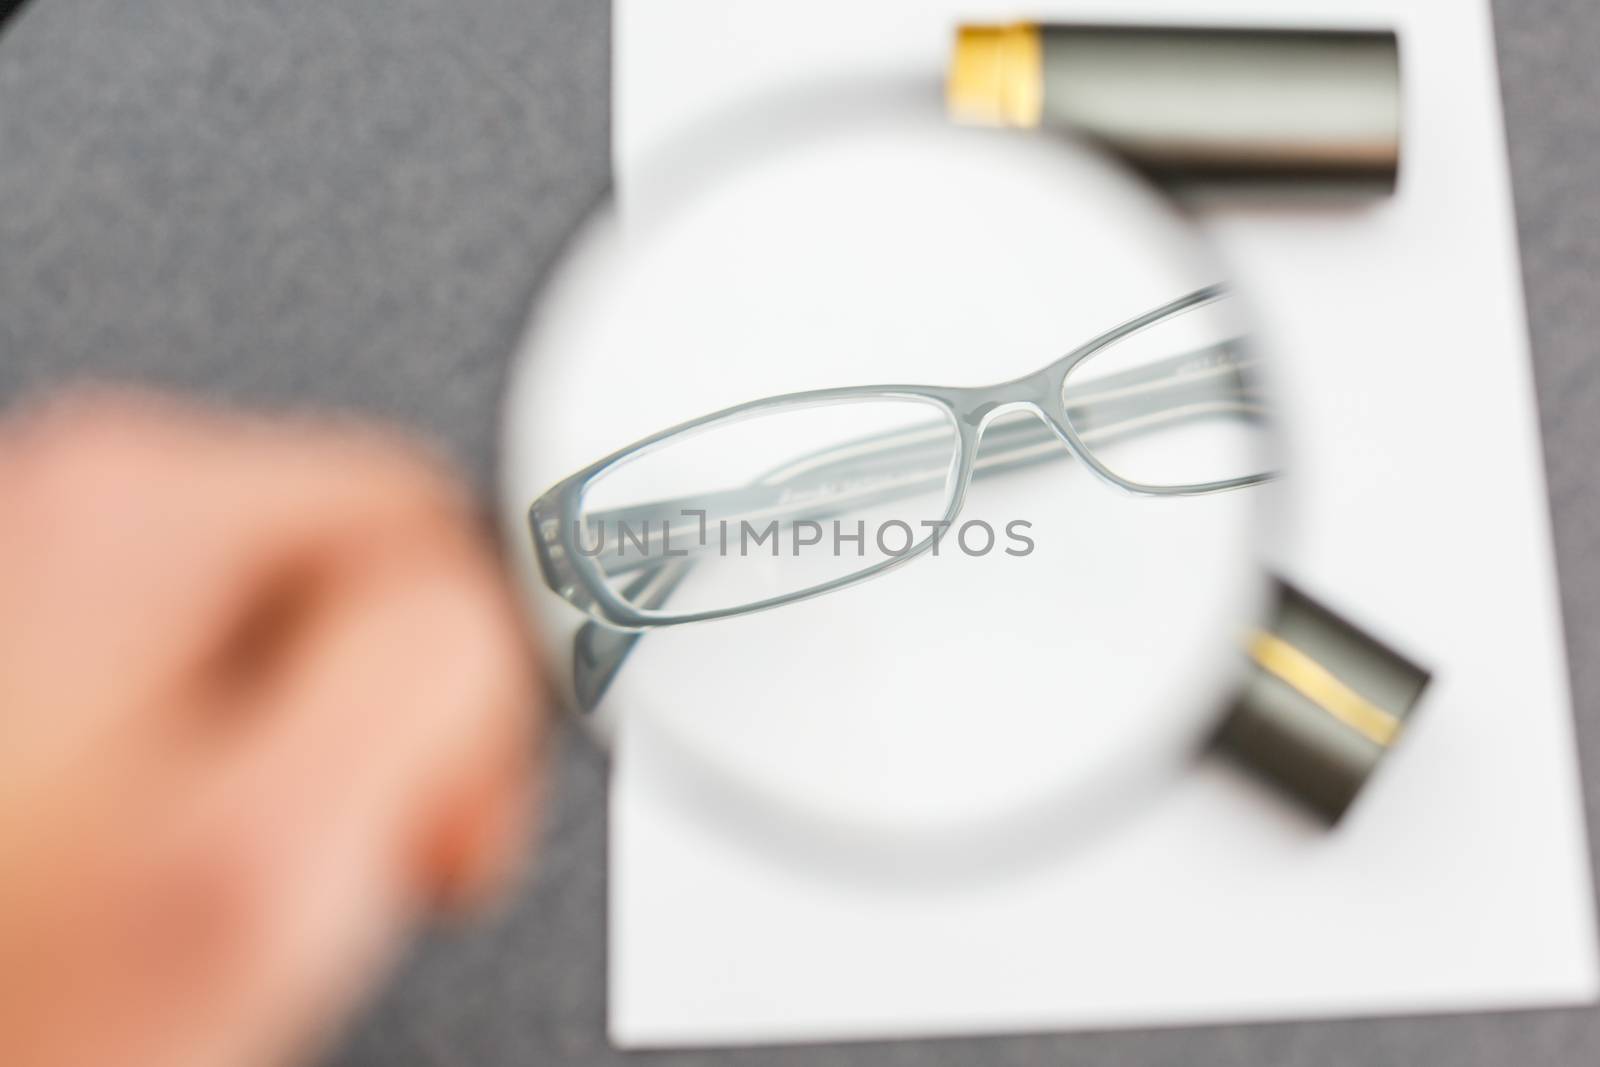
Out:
{"x": 350, "y": 202}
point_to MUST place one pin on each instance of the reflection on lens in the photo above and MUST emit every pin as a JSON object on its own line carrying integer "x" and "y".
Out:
{"x": 769, "y": 504}
{"x": 1176, "y": 404}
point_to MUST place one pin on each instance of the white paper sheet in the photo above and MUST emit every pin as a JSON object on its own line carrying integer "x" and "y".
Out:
{"x": 1460, "y": 880}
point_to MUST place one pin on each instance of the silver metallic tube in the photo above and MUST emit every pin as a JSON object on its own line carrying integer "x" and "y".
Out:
{"x": 1192, "y": 104}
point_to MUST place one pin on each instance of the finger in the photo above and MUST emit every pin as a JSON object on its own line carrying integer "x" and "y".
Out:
{"x": 223, "y": 533}
{"x": 185, "y": 529}
{"x": 484, "y": 828}
{"x": 403, "y": 706}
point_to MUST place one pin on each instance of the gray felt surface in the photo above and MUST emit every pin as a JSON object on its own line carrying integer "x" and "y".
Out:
{"x": 349, "y": 203}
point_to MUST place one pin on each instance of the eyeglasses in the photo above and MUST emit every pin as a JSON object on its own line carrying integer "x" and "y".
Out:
{"x": 783, "y": 499}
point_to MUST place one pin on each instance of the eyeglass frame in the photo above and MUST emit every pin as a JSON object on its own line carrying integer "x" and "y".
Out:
{"x": 575, "y": 576}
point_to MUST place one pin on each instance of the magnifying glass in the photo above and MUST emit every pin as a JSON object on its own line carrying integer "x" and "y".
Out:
{"x": 904, "y": 482}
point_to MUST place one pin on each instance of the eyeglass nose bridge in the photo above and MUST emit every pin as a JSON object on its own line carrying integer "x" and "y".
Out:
{"x": 1039, "y": 393}
{"x": 977, "y": 409}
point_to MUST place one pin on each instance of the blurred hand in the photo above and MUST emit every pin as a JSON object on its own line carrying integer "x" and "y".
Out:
{"x": 263, "y": 701}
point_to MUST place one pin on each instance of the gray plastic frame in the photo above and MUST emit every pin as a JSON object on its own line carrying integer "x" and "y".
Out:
{"x": 579, "y": 579}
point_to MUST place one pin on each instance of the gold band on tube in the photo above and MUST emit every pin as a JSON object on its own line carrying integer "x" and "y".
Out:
{"x": 1319, "y": 685}
{"x": 996, "y": 76}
